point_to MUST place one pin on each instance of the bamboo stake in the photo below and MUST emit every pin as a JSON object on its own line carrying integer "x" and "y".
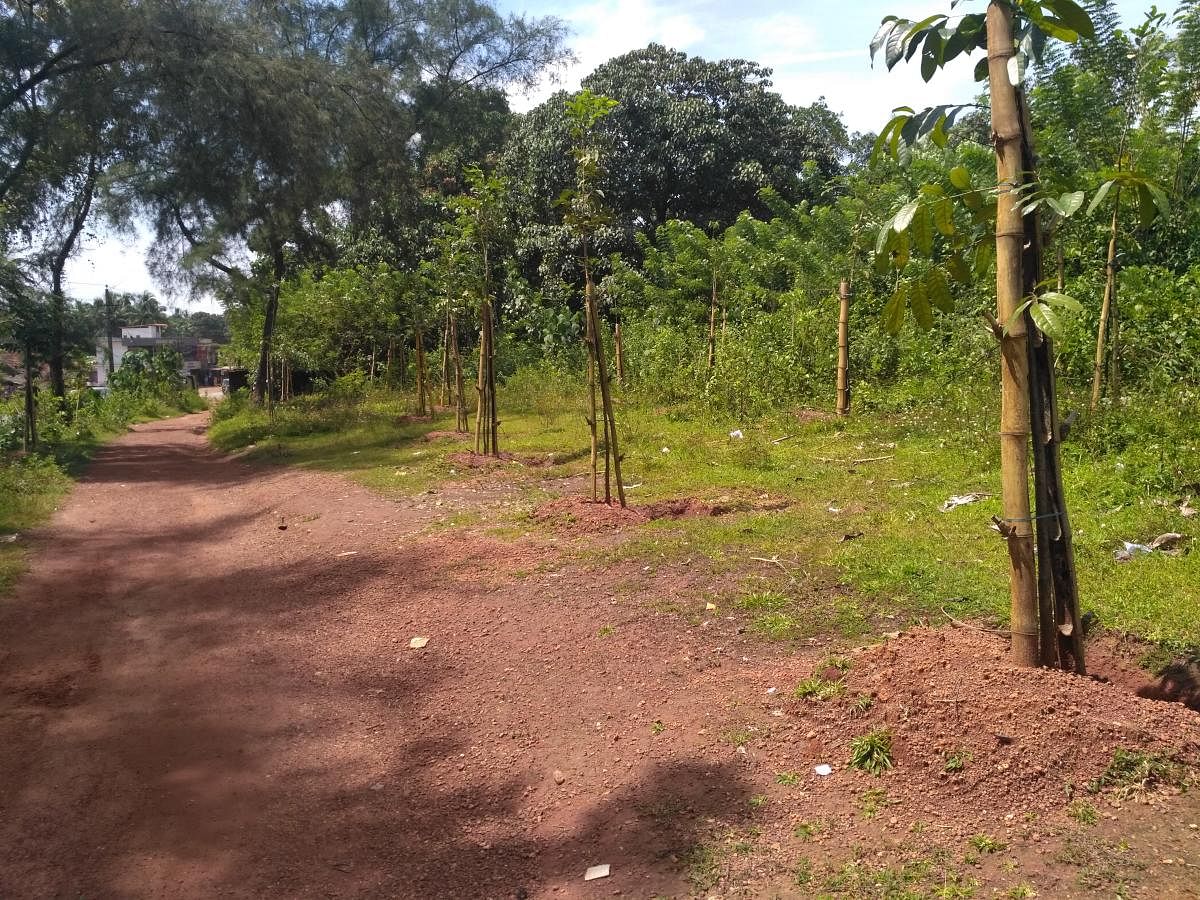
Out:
{"x": 590, "y": 339}
{"x": 1017, "y": 524}
{"x": 620, "y": 351}
{"x": 712, "y": 322}
{"x": 1110, "y": 286}
{"x": 460, "y": 399}
{"x": 843, "y": 364}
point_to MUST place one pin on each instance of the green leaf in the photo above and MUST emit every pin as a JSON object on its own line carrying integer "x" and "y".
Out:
{"x": 960, "y": 177}
{"x": 1100, "y": 195}
{"x": 981, "y": 70}
{"x": 958, "y": 268}
{"x": 938, "y": 290}
{"x": 918, "y": 299}
{"x": 943, "y": 216}
{"x": 1062, "y": 301}
{"x": 1045, "y": 318}
{"x": 922, "y": 230}
{"x": 1069, "y": 204}
{"x": 1072, "y": 15}
{"x": 893, "y": 310}
{"x": 985, "y": 255}
{"x": 884, "y": 236}
{"x": 904, "y": 217}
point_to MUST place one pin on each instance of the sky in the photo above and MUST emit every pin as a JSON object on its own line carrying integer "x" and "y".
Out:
{"x": 815, "y": 48}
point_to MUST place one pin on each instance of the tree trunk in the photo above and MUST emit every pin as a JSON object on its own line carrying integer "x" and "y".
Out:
{"x": 1060, "y": 632}
{"x": 599, "y": 369}
{"x": 593, "y": 424}
{"x": 422, "y": 375}
{"x": 487, "y": 422}
{"x": 619, "y": 347}
{"x": 58, "y": 300}
{"x": 843, "y": 364}
{"x": 108, "y": 327}
{"x": 29, "y": 438}
{"x": 446, "y": 361}
{"x": 712, "y": 324}
{"x": 1110, "y": 290}
{"x": 1017, "y": 525}
{"x": 261, "y": 378}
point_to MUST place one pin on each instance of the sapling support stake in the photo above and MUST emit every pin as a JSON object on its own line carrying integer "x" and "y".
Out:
{"x": 843, "y": 365}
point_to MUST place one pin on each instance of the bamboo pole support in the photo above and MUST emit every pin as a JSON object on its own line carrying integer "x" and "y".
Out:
{"x": 843, "y": 364}
{"x": 1110, "y": 286}
{"x": 1017, "y": 524}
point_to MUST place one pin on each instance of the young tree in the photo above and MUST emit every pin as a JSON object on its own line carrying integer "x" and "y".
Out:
{"x": 1044, "y": 611}
{"x": 585, "y": 212}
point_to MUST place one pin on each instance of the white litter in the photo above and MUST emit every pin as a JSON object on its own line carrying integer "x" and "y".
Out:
{"x": 772, "y": 690}
{"x": 666, "y": 449}
{"x": 710, "y": 607}
{"x": 823, "y": 769}
{"x": 349, "y": 553}
{"x": 417, "y": 643}
{"x": 595, "y": 872}
{"x": 962, "y": 500}
{"x": 736, "y": 434}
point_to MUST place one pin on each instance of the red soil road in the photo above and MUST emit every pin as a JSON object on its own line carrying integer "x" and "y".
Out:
{"x": 195, "y": 703}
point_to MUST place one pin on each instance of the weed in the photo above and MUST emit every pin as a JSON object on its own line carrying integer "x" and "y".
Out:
{"x": 1083, "y": 813}
{"x": 657, "y": 727}
{"x": 1020, "y": 892}
{"x": 775, "y": 626}
{"x": 757, "y": 801}
{"x": 739, "y": 736}
{"x": 802, "y": 874}
{"x": 788, "y": 779}
{"x": 743, "y": 848}
{"x": 817, "y": 688}
{"x": 806, "y": 831}
{"x": 872, "y": 801}
{"x": 861, "y": 705}
{"x": 703, "y": 865}
{"x": 1134, "y": 770}
{"x": 985, "y": 843}
{"x": 872, "y": 752}
{"x": 841, "y": 663}
{"x": 606, "y": 631}
{"x": 956, "y": 760}
{"x": 765, "y": 601}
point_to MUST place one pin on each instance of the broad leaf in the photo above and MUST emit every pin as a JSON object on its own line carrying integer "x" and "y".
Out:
{"x": 938, "y": 290}
{"x": 1045, "y": 318}
{"x": 960, "y": 177}
{"x": 904, "y": 217}
{"x": 918, "y": 299}
{"x": 1100, "y": 195}
{"x": 893, "y": 310}
{"x": 1062, "y": 301}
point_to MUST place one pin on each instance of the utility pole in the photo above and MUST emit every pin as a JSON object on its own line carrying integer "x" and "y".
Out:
{"x": 108, "y": 326}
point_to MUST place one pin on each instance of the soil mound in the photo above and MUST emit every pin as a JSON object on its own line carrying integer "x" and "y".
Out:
{"x": 971, "y": 733}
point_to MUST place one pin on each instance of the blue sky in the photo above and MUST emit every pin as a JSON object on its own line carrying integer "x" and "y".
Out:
{"x": 816, "y": 49}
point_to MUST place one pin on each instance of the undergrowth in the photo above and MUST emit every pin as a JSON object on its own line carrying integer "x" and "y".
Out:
{"x": 863, "y": 495}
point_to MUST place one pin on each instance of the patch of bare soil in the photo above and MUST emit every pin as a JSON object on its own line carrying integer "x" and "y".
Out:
{"x": 431, "y": 436}
{"x": 582, "y": 515}
{"x": 472, "y": 460}
{"x": 197, "y": 703}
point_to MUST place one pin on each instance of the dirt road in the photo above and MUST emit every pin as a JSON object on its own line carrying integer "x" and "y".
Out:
{"x": 198, "y": 703}
{"x": 207, "y": 689}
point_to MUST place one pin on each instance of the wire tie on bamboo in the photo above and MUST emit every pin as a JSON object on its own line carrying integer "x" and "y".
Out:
{"x": 1049, "y": 515}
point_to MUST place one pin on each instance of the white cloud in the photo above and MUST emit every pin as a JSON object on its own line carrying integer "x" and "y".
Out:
{"x": 608, "y": 28}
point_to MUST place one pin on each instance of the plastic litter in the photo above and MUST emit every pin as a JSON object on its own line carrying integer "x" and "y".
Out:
{"x": 823, "y": 769}
{"x": 736, "y": 434}
{"x": 417, "y": 643}
{"x": 594, "y": 872}
{"x": 1164, "y": 543}
{"x": 962, "y": 500}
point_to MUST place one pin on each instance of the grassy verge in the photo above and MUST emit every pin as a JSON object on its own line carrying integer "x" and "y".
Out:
{"x": 864, "y": 495}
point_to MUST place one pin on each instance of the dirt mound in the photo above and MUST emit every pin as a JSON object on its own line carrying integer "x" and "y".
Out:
{"x": 471, "y": 460}
{"x": 432, "y": 436}
{"x": 971, "y": 734}
{"x": 581, "y": 514}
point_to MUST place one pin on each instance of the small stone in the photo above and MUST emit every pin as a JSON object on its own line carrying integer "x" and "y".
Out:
{"x": 559, "y": 777}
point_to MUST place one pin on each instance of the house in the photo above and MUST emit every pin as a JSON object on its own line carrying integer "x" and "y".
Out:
{"x": 199, "y": 354}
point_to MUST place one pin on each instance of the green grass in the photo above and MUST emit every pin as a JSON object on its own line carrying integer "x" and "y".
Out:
{"x": 30, "y": 489}
{"x": 884, "y": 474}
